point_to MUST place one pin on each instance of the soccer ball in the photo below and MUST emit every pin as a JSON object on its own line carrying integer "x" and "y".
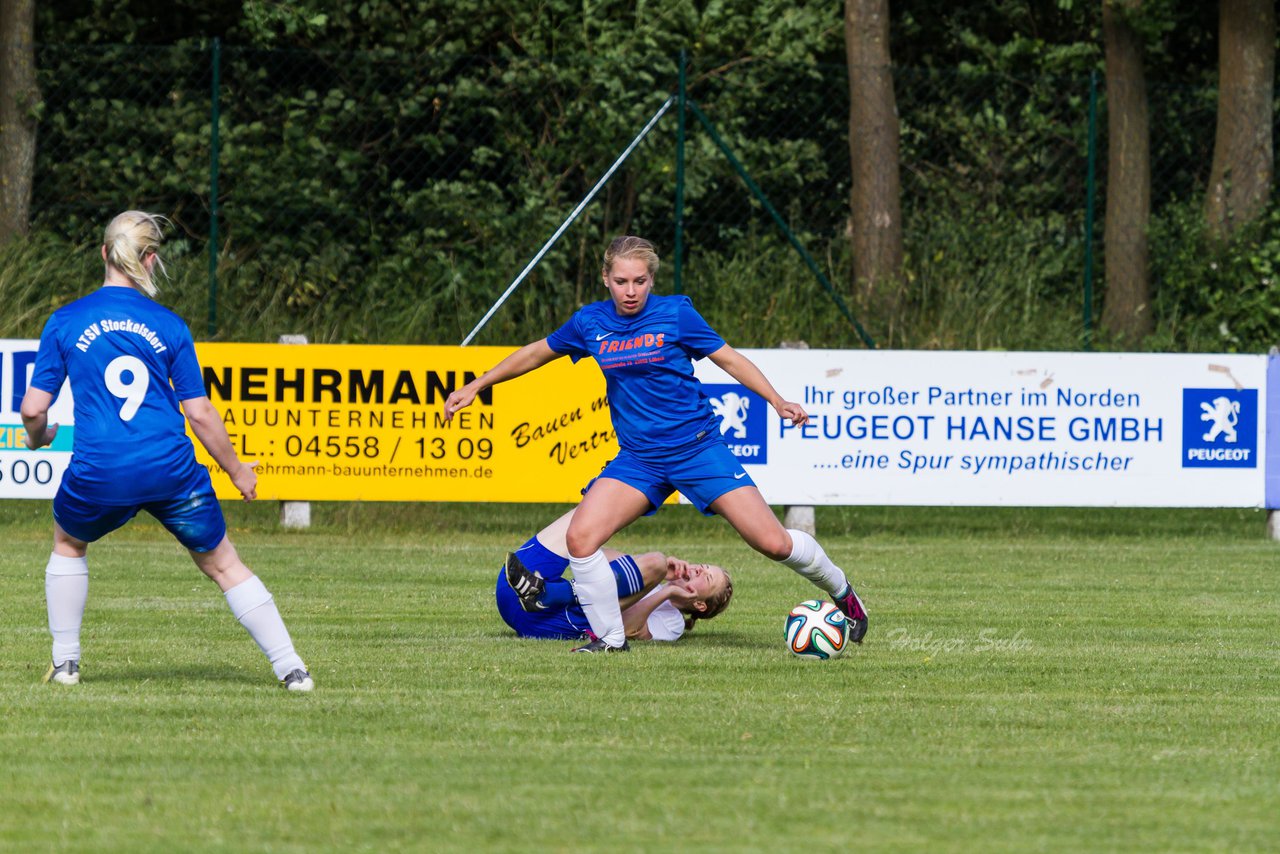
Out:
{"x": 817, "y": 629}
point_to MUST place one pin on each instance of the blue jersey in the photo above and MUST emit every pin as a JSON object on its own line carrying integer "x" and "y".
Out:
{"x": 656, "y": 403}
{"x": 121, "y": 350}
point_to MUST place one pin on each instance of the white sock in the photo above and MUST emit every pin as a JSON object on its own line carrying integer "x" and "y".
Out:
{"x": 597, "y": 592}
{"x": 808, "y": 559}
{"x": 66, "y": 588}
{"x": 253, "y": 606}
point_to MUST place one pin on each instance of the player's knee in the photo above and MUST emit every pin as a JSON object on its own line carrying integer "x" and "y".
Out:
{"x": 215, "y": 566}
{"x": 65, "y": 549}
{"x": 581, "y": 543}
{"x": 775, "y": 546}
{"x": 66, "y": 545}
{"x": 222, "y": 564}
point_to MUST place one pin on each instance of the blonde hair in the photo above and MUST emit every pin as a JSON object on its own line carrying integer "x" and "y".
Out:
{"x": 715, "y": 604}
{"x": 128, "y": 239}
{"x": 631, "y": 247}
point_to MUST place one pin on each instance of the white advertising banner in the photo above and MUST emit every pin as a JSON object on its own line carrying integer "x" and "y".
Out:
{"x": 930, "y": 428}
{"x": 24, "y": 473}
{"x": 979, "y": 428}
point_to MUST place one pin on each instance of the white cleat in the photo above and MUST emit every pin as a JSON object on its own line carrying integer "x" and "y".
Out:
{"x": 66, "y": 673}
{"x": 298, "y": 680}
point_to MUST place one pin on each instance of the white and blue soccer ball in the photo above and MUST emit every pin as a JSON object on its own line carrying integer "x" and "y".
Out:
{"x": 817, "y": 629}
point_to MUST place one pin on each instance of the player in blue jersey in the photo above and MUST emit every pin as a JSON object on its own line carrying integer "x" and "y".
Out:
{"x": 134, "y": 375}
{"x": 660, "y": 597}
{"x": 668, "y": 434}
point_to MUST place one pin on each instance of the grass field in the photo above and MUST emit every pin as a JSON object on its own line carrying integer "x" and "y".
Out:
{"x": 1033, "y": 680}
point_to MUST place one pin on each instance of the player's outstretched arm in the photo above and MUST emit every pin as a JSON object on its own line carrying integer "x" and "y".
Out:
{"x": 745, "y": 371}
{"x": 528, "y": 358}
{"x": 206, "y": 423}
{"x": 35, "y": 417}
{"x": 635, "y": 619}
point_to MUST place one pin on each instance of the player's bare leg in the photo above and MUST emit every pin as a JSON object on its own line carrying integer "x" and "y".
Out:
{"x": 253, "y": 606}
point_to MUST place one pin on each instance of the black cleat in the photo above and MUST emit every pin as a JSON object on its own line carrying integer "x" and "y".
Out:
{"x": 597, "y": 645}
{"x": 528, "y": 586}
{"x": 854, "y": 611}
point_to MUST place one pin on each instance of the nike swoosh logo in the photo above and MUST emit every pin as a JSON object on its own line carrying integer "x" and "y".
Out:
{"x": 740, "y": 476}
{"x": 604, "y": 336}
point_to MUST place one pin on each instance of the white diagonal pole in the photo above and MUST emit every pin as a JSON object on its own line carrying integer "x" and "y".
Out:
{"x": 572, "y": 216}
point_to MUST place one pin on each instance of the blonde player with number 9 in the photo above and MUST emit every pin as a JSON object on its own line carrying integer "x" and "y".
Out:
{"x": 134, "y": 374}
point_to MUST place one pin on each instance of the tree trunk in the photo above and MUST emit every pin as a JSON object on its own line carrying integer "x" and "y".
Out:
{"x": 875, "y": 199}
{"x": 1126, "y": 310}
{"x": 1242, "y": 150}
{"x": 18, "y": 96}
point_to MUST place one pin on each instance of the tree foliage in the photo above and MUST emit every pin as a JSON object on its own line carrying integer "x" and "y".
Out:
{"x": 387, "y": 167}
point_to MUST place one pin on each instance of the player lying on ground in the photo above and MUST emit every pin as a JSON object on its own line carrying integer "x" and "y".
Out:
{"x": 668, "y": 435}
{"x": 660, "y": 597}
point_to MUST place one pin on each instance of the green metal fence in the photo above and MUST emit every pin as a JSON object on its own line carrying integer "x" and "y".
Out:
{"x": 378, "y": 185}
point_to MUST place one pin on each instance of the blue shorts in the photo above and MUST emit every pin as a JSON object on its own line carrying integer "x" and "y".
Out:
{"x": 568, "y": 623}
{"x": 702, "y": 475}
{"x": 193, "y": 516}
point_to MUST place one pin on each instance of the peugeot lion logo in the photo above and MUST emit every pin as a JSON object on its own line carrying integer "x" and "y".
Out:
{"x": 732, "y": 409}
{"x": 743, "y": 421}
{"x": 1224, "y": 414}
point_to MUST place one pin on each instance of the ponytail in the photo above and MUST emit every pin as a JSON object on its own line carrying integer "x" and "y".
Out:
{"x": 128, "y": 239}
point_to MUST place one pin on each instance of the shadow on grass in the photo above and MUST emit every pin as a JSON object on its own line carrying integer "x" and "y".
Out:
{"x": 725, "y": 640}
{"x": 720, "y": 640}
{"x": 1054, "y": 523}
{"x": 161, "y": 672}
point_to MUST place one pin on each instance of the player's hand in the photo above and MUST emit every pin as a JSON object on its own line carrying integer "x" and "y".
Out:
{"x": 792, "y": 412}
{"x": 460, "y": 399}
{"x": 47, "y": 439}
{"x": 246, "y": 480}
{"x": 680, "y": 596}
{"x": 677, "y": 569}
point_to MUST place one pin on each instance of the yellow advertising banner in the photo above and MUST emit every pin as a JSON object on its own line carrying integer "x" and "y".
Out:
{"x": 337, "y": 422}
